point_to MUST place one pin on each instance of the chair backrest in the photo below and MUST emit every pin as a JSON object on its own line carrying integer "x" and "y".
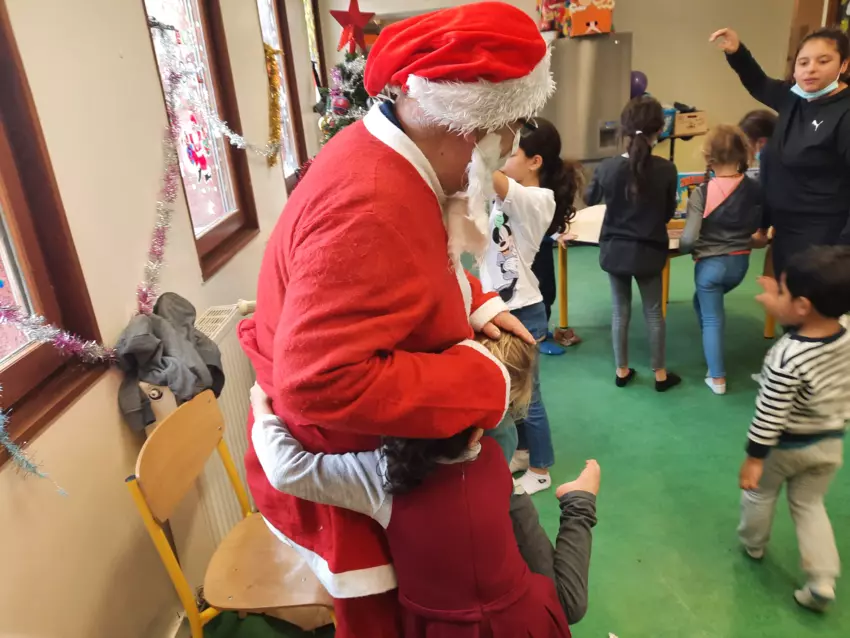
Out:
{"x": 176, "y": 452}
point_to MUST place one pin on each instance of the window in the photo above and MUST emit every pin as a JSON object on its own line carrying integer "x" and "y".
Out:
{"x": 216, "y": 179}
{"x": 272, "y": 25}
{"x": 314, "y": 38}
{"x": 39, "y": 269}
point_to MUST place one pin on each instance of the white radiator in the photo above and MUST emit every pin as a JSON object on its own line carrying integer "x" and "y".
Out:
{"x": 211, "y": 510}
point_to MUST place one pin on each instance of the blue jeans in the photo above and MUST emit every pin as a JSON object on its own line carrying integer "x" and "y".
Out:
{"x": 714, "y": 277}
{"x": 534, "y": 433}
{"x": 505, "y": 434}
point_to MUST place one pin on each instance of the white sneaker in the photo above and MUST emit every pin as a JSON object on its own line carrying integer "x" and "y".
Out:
{"x": 817, "y": 597}
{"x": 519, "y": 462}
{"x": 715, "y": 387}
{"x": 755, "y": 554}
{"x": 533, "y": 483}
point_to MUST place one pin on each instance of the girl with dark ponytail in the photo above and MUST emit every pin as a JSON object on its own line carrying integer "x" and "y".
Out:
{"x": 535, "y": 198}
{"x": 639, "y": 191}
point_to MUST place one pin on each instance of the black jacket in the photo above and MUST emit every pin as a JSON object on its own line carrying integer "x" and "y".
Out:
{"x": 805, "y": 168}
{"x": 634, "y": 238}
{"x": 730, "y": 226}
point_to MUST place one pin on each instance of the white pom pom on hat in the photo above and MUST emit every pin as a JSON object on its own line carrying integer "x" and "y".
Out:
{"x": 476, "y": 66}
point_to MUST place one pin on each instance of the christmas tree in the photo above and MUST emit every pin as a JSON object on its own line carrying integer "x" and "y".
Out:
{"x": 347, "y": 100}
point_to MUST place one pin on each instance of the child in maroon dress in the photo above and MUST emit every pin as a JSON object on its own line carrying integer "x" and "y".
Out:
{"x": 470, "y": 556}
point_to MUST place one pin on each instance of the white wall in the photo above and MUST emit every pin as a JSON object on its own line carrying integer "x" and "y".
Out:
{"x": 670, "y": 46}
{"x": 82, "y": 566}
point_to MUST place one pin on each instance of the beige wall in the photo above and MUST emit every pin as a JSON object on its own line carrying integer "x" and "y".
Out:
{"x": 82, "y": 566}
{"x": 670, "y": 46}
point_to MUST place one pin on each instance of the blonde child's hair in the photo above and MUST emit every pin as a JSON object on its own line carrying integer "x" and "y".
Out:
{"x": 519, "y": 358}
{"x": 725, "y": 145}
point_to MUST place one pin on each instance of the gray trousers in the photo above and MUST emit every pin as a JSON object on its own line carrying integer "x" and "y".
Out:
{"x": 568, "y": 562}
{"x": 650, "y": 294}
{"x": 808, "y": 472}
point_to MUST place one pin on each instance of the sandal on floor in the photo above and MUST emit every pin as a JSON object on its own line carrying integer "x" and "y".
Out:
{"x": 566, "y": 337}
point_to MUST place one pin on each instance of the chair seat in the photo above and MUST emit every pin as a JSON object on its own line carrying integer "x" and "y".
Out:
{"x": 252, "y": 570}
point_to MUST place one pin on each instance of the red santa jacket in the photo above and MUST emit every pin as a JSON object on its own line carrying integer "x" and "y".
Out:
{"x": 363, "y": 329}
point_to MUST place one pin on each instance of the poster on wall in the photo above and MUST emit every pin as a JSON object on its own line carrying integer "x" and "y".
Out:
{"x": 688, "y": 183}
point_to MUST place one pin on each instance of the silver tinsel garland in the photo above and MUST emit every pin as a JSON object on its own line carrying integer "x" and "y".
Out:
{"x": 200, "y": 99}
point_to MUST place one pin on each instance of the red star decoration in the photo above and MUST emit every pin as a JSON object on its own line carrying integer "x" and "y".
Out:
{"x": 352, "y": 22}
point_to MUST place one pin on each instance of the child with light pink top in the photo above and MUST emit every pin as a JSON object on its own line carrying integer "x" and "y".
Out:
{"x": 723, "y": 214}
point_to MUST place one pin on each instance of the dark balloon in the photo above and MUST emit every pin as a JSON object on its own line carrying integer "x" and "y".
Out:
{"x": 639, "y": 83}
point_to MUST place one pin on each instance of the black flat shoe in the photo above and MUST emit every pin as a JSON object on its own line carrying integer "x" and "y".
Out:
{"x": 671, "y": 381}
{"x": 622, "y": 382}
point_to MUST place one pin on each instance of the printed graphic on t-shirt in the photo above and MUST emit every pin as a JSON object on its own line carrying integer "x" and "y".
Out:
{"x": 505, "y": 274}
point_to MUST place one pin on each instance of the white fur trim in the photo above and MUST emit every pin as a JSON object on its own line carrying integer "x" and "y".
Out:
{"x": 477, "y": 346}
{"x": 468, "y": 106}
{"x": 353, "y": 584}
{"x": 379, "y": 126}
{"x": 485, "y": 313}
{"x": 465, "y": 288}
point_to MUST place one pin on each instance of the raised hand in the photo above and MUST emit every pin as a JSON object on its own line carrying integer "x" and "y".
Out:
{"x": 727, "y": 40}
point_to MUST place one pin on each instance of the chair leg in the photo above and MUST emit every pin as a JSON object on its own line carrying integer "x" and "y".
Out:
{"x": 769, "y": 326}
{"x": 665, "y": 287}
{"x": 769, "y": 321}
{"x": 563, "y": 306}
{"x": 195, "y": 624}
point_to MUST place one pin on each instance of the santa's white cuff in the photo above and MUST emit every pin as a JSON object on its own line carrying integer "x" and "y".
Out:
{"x": 485, "y": 313}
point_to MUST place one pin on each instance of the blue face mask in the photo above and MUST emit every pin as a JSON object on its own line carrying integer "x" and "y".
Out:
{"x": 798, "y": 90}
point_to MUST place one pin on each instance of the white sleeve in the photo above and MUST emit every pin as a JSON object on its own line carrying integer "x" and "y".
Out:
{"x": 353, "y": 481}
{"x": 531, "y": 209}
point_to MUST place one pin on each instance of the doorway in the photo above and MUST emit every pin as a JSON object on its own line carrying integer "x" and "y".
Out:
{"x": 808, "y": 15}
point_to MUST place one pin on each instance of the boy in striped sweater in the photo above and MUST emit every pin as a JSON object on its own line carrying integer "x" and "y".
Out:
{"x": 796, "y": 437}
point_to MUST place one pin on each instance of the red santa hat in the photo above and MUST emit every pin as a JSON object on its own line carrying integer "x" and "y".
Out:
{"x": 477, "y": 66}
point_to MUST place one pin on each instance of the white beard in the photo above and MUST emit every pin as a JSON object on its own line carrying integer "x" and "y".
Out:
{"x": 467, "y": 214}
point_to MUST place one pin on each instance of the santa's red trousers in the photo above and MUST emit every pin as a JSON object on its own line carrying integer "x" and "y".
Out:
{"x": 369, "y": 617}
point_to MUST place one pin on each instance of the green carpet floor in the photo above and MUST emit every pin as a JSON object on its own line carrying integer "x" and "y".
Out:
{"x": 666, "y": 563}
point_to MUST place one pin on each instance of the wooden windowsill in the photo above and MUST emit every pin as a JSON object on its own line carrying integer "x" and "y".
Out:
{"x": 41, "y": 406}
{"x": 214, "y": 260}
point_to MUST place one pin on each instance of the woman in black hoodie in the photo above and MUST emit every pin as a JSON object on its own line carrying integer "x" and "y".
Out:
{"x": 805, "y": 167}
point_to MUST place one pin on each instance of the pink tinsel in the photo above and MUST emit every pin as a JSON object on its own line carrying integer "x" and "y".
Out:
{"x": 38, "y": 331}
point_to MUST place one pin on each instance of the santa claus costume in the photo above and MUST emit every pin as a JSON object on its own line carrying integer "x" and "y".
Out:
{"x": 364, "y": 323}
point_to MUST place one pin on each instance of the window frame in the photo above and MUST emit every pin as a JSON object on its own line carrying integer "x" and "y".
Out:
{"x": 294, "y": 104}
{"x": 320, "y": 45}
{"x": 40, "y": 383}
{"x": 222, "y": 242}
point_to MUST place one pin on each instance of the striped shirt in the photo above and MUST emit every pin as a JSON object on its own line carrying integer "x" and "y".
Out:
{"x": 805, "y": 393}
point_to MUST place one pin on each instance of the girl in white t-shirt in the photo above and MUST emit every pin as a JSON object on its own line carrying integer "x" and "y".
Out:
{"x": 535, "y": 193}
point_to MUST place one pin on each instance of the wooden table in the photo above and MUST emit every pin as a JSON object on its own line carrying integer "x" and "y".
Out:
{"x": 587, "y": 226}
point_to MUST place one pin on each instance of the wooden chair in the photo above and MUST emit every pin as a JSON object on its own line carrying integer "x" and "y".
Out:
{"x": 251, "y": 570}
